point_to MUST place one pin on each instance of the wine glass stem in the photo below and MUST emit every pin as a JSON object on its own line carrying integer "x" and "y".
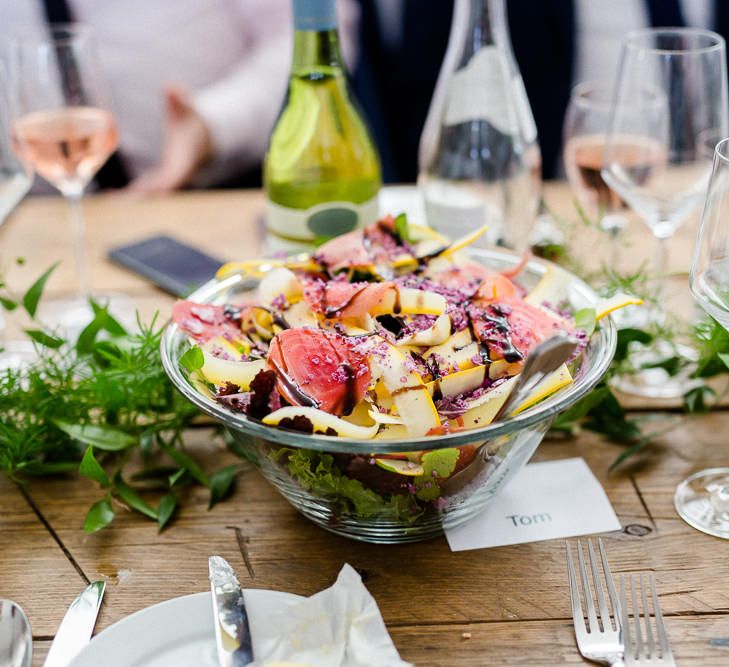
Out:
{"x": 78, "y": 239}
{"x": 660, "y": 283}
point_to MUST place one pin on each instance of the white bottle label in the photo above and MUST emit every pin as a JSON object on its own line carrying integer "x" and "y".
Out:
{"x": 326, "y": 219}
{"x": 480, "y": 91}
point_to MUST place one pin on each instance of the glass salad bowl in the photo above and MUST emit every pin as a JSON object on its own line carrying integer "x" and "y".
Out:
{"x": 334, "y": 481}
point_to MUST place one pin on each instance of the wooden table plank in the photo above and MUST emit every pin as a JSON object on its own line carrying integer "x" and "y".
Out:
{"x": 40, "y": 651}
{"x": 33, "y": 569}
{"x": 225, "y": 224}
{"x": 514, "y": 643}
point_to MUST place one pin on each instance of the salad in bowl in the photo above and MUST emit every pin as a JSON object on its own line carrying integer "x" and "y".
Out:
{"x": 364, "y": 378}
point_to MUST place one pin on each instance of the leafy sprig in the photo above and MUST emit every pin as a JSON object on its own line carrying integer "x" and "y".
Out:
{"x": 100, "y": 405}
{"x": 600, "y": 411}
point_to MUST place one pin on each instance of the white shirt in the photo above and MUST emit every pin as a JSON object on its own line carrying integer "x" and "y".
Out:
{"x": 602, "y": 24}
{"x": 232, "y": 55}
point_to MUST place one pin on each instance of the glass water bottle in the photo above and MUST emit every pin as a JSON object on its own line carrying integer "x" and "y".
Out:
{"x": 479, "y": 157}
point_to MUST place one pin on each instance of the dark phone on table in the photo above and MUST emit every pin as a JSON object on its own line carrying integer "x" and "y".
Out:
{"x": 175, "y": 267}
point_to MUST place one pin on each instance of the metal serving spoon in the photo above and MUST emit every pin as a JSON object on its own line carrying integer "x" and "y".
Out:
{"x": 543, "y": 360}
{"x": 16, "y": 639}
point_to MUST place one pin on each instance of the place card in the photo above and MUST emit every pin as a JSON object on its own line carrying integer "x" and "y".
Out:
{"x": 544, "y": 501}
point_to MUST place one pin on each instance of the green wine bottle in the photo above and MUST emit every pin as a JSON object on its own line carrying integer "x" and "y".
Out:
{"x": 321, "y": 171}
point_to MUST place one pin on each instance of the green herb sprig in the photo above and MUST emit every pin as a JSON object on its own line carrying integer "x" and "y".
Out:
{"x": 601, "y": 411}
{"x": 100, "y": 405}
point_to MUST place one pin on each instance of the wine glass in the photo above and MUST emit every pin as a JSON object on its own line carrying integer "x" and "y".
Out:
{"x": 702, "y": 500}
{"x": 669, "y": 110}
{"x": 15, "y": 180}
{"x": 586, "y": 121}
{"x": 65, "y": 131}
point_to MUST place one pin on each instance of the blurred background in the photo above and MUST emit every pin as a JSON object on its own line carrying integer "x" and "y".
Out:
{"x": 197, "y": 85}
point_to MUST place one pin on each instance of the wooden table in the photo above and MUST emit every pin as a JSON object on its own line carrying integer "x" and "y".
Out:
{"x": 497, "y": 606}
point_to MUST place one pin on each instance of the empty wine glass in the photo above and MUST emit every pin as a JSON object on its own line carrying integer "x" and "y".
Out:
{"x": 669, "y": 109}
{"x": 64, "y": 129}
{"x": 702, "y": 500}
{"x": 586, "y": 122}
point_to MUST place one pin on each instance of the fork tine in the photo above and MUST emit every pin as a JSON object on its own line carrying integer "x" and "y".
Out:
{"x": 636, "y": 618}
{"x": 610, "y": 583}
{"x": 577, "y": 615}
{"x": 660, "y": 627}
{"x": 591, "y": 616}
{"x": 647, "y": 619}
{"x": 602, "y": 606}
{"x": 625, "y": 625}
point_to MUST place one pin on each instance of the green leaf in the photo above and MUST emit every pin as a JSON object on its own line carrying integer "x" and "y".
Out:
{"x": 724, "y": 358}
{"x": 567, "y": 421}
{"x": 585, "y": 319}
{"x": 111, "y": 324}
{"x": 221, "y": 483}
{"x": 436, "y": 464}
{"x": 48, "y": 467}
{"x": 32, "y": 297}
{"x": 176, "y": 476}
{"x": 146, "y": 441}
{"x": 627, "y": 453}
{"x": 103, "y": 321}
{"x": 188, "y": 463}
{"x": 402, "y": 229}
{"x": 193, "y": 359}
{"x": 672, "y": 365}
{"x": 102, "y": 437}
{"x": 165, "y": 510}
{"x": 627, "y": 336}
{"x": 44, "y": 339}
{"x": 698, "y": 399}
{"x": 90, "y": 468}
{"x": 100, "y": 515}
{"x": 8, "y": 304}
{"x": 132, "y": 498}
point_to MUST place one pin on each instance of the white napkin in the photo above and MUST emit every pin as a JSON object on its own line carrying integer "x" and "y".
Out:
{"x": 340, "y": 626}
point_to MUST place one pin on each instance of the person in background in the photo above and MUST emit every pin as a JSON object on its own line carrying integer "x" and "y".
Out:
{"x": 557, "y": 44}
{"x": 195, "y": 85}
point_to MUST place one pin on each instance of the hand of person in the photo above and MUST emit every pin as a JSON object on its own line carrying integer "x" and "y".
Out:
{"x": 187, "y": 147}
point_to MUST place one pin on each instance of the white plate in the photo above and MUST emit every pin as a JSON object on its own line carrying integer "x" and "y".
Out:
{"x": 175, "y": 633}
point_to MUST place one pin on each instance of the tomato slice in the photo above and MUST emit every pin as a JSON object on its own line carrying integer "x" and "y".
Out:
{"x": 203, "y": 322}
{"x": 511, "y": 328}
{"x": 319, "y": 369}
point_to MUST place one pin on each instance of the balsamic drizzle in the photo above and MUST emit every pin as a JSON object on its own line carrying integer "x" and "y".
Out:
{"x": 298, "y": 395}
{"x": 332, "y": 311}
{"x": 276, "y": 317}
{"x": 349, "y": 400}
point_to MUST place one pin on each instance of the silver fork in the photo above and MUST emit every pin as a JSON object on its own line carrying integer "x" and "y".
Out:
{"x": 640, "y": 652}
{"x": 600, "y": 641}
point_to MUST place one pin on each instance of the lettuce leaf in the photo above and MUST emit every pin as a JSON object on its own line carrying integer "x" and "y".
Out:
{"x": 316, "y": 472}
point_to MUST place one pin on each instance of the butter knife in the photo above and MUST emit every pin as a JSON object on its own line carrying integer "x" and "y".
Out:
{"x": 76, "y": 627}
{"x": 232, "y": 633}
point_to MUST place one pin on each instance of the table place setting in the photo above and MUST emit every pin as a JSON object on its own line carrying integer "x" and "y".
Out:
{"x": 231, "y": 627}
{"x": 327, "y": 350}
